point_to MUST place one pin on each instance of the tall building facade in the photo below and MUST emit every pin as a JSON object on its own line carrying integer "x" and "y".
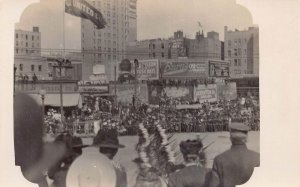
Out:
{"x": 242, "y": 50}
{"x": 108, "y": 46}
{"x": 27, "y": 56}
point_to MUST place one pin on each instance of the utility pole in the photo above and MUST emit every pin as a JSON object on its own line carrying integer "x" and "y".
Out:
{"x": 136, "y": 65}
{"x": 62, "y": 64}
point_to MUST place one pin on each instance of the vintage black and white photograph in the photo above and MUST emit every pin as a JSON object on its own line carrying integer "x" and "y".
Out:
{"x": 136, "y": 93}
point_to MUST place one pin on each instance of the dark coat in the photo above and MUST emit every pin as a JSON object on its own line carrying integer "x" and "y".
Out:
{"x": 233, "y": 167}
{"x": 190, "y": 176}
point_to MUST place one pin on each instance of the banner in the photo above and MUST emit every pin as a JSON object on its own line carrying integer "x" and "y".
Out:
{"x": 94, "y": 89}
{"x": 185, "y": 68}
{"x": 218, "y": 68}
{"x": 227, "y": 91}
{"x": 83, "y": 9}
{"x": 177, "y": 92}
{"x": 206, "y": 93}
{"x": 147, "y": 69}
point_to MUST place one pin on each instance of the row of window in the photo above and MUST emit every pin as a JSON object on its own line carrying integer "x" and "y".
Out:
{"x": 26, "y": 51}
{"x": 21, "y": 67}
{"x": 26, "y": 36}
{"x": 26, "y": 44}
{"x": 162, "y": 45}
{"x": 237, "y": 52}
{"x": 237, "y": 42}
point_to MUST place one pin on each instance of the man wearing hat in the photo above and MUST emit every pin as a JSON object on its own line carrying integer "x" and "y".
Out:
{"x": 108, "y": 143}
{"x": 235, "y": 166}
{"x": 194, "y": 173}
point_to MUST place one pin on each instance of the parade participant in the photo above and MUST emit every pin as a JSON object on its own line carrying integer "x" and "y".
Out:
{"x": 31, "y": 153}
{"x": 108, "y": 143}
{"x": 59, "y": 171}
{"x": 235, "y": 166}
{"x": 194, "y": 173}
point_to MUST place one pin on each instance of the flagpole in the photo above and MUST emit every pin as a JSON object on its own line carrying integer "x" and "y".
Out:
{"x": 64, "y": 56}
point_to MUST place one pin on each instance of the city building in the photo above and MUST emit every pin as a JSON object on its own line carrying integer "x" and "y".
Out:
{"x": 27, "y": 56}
{"x": 242, "y": 50}
{"x": 204, "y": 48}
{"x": 107, "y": 46}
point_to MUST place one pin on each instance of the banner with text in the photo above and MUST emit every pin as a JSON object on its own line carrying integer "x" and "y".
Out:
{"x": 218, "y": 68}
{"x": 185, "y": 68}
{"x": 83, "y": 9}
{"x": 147, "y": 69}
{"x": 206, "y": 93}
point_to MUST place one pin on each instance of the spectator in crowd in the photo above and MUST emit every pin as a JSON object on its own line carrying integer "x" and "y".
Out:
{"x": 235, "y": 166}
{"x": 108, "y": 143}
{"x": 58, "y": 172}
{"x": 194, "y": 173}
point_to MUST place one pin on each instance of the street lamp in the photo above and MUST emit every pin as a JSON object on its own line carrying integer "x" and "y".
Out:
{"x": 43, "y": 93}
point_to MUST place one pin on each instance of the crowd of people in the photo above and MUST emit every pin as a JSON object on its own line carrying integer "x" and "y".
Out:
{"x": 175, "y": 116}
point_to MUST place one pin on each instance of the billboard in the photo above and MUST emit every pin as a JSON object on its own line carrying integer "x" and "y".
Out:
{"x": 147, "y": 69}
{"x": 126, "y": 91}
{"x": 185, "y": 68}
{"x": 218, "y": 68}
{"x": 206, "y": 93}
{"x": 94, "y": 89}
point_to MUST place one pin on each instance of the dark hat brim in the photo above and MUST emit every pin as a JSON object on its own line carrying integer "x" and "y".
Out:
{"x": 79, "y": 146}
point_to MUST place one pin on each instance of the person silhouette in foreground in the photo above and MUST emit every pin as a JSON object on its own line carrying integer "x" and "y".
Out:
{"x": 32, "y": 154}
{"x": 194, "y": 173}
{"x": 108, "y": 143}
{"x": 58, "y": 172}
{"x": 235, "y": 166}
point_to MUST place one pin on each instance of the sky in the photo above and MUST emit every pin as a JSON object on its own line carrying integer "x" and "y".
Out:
{"x": 156, "y": 19}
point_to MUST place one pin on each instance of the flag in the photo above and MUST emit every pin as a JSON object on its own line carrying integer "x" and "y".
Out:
{"x": 83, "y": 9}
{"x": 199, "y": 24}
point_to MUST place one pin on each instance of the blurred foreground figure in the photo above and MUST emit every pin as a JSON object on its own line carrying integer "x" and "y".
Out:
{"x": 194, "y": 173}
{"x": 58, "y": 172}
{"x": 108, "y": 143}
{"x": 31, "y": 153}
{"x": 235, "y": 166}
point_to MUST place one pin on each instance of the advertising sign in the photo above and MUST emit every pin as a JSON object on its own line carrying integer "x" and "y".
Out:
{"x": 99, "y": 89}
{"x": 218, "y": 68}
{"x": 83, "y": 9}
{"x": 206, "y": 93}
{"x": 177, "y": 92}
{"x": 147, "y": 70}
{"x": 185, "y": 68}
{"x": 49, "y": 87}
{"x": 126, "y": 91}
{"x": 227, "y": 91}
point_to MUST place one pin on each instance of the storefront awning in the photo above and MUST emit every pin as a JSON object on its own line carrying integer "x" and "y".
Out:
{"x": 72, "y": 99}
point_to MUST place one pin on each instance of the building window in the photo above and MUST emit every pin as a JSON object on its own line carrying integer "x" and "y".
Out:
{"x": 32, "y": 37}
{"x": 162, "y": 46}
{"x": 229, "y": 53}
{"x": 229, "y": 42}
{"x": 26, "y": 51}
{"x": 21, "y": 67}
{"x": 153, "y": 46}
{"x": 239, "y": 62}
{"x": 26, "y": 37}
{"x": 17, "y": 36}
{"x": 26, "y": 44}
{"x": 153, "y": 55}
{"x": 17, "y": 51}
{"x": 32, "y": 67}
{"x": 40, "y": 67}
{"x": 235, "y": 52}
{"x": 235, "y": 62}
{"x": 239, "y": 51}
{"x": 163, "y": 55}
{"x": 17, "y": 43}
{"x": 245, "y": 51}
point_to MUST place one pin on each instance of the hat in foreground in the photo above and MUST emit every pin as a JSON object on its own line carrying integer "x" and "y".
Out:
{"x": 107, "y": 138}
{"x": 239, "y": 127}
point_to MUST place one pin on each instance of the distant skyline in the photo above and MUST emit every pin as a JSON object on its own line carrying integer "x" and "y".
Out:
{"x": 155, "y": 19}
